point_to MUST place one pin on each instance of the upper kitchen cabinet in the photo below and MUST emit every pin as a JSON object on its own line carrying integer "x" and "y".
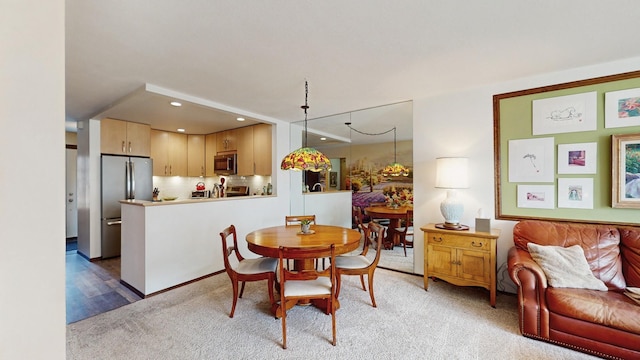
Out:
{"x": 245, "y": 151}
{"x": 226, "y": 141}
{"x": 262, "y": 134}
{"x": 210, "y": 151}
{"x": 169, "y": 153}
{"x": 195, "y": 155}
{"x": 120, "y": 137}
{"x": 254, "y": 150}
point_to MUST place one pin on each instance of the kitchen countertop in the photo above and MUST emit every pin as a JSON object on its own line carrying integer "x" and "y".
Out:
{"x": 190, "y": 201}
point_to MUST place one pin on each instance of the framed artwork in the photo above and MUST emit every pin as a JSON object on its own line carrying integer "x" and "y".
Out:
{"x": 563, "y": 114}
{"x": 531, "y": 160}
{"x": 622, "y": 108}
{"x": 536, "y": 196}
{"x": 333, "y": 179}
{"x": 625, "y": 166}
{"x": 575, "y": 193}
{"x": 611, "y": 202}
{"x": 577, "y": 158}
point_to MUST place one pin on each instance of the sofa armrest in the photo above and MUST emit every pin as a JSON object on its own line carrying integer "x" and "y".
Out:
{"x": 532, "y": 286}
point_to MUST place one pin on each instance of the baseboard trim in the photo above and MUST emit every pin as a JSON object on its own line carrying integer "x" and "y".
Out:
{"x": 137, "y": 292}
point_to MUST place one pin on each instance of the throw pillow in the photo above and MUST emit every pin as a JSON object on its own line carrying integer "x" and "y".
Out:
{"x": 565, "y": 267}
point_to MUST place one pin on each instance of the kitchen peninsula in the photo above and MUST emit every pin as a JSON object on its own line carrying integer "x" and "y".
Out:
{"x": 170, "y": 243}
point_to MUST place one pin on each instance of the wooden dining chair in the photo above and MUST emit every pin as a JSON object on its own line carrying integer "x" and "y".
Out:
{"x": 296, "y": 219}
{"x": 312, "y": 284}
{"x": 360, "y": 264}
{"x": 246, "y": 269}
{"x": 405, "y": 231}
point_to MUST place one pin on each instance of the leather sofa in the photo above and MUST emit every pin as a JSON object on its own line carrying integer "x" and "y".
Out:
{"x": 601, "y": 323}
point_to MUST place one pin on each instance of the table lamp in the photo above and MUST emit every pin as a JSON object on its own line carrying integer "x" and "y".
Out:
{"x": 452, "y": 174}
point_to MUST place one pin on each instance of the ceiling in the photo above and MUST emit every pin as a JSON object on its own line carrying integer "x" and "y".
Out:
{"x": 128, "y": 59}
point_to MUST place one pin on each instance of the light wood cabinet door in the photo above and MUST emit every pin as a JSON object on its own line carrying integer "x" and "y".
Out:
{"x": 119, "y": 137}
{"x": 244, "y": 138}
{"x": 210, "y": 149}
{"x": 159, "y": 143}
{"x": 113, "y": 136}
{"x": 226, "y": 141}
{"x": 138, "y": 139}
{"x": 465, "y": 258}
{"x": 195, "y": 155}
{"x": 169, "y": 153}
{"x": 177, "y": 155}
{"x": 262, "y": 154}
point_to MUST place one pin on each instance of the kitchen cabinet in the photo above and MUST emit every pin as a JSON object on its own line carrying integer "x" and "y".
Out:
{"x": 169, "y": 153}
{"x": 464, "y": 258}
{"x": 210, "y": 150}
{"x": 195, "y": 155}
{"x": 226, "y": 141}
{"x": 262, "y": 153}
{"x": 119, "y": 137}
{"x": 244, "y": 138}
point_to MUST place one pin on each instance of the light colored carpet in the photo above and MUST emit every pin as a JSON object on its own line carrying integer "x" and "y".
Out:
{"x": 192, "y": 322}
{"x": 395, "y": 259}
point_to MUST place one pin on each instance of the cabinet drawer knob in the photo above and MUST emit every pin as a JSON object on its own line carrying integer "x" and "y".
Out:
{"x": 476, "y": 244}
{"x": 437, "y": 239}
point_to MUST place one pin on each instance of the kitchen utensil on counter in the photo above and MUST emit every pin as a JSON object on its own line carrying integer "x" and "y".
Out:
{"x": 200, "y": 186}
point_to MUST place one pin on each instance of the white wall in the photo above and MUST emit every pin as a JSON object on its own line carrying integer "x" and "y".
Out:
{"x": 32, "y": 154}
{"x": 461, "y": 124}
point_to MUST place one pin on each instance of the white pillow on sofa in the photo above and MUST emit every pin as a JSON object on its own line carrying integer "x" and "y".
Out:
{"x": 565, "y": 267}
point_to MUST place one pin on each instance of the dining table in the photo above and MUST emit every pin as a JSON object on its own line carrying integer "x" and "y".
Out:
{"x": 267, "y": 242}
{"x": 394, "y": 215}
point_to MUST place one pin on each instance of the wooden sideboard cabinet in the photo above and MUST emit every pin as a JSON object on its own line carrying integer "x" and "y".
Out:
{"x": 461, "y": 257}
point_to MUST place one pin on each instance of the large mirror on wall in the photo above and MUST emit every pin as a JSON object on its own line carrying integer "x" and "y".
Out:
{"x": 360, "y": 144}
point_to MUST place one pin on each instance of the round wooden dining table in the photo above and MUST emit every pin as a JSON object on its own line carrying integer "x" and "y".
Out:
{"x": 394, "y": 215}
{"x": 267, "y": 242}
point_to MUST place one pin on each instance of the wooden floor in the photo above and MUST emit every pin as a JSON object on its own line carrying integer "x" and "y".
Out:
{"x": 93, "y": 287}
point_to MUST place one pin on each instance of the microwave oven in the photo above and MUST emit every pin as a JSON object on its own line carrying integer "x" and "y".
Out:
{"x": 225, "y": 164}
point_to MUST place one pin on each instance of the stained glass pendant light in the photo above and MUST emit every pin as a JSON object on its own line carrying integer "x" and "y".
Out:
{"x": 305, "y": 158}
{"x": 395, "y": 168}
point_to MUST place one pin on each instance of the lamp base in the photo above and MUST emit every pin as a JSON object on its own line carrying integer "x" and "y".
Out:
{"x": 452, "y": 226}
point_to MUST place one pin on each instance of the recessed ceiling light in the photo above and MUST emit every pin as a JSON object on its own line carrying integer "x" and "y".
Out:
{"x": 240, "y": 119}
{"x": 323, "y": 138}
{"x": 176, "y": 104}
{"x": 180, "y": 130}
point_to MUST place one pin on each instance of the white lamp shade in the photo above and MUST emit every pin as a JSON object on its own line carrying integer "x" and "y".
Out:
{"x": 452, "y": 173}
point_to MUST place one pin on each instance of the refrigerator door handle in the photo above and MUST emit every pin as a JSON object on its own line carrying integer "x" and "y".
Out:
{"x": 127, "y": 180}
{"x": 132, "y": 173}
{"x": 117, "y": 222}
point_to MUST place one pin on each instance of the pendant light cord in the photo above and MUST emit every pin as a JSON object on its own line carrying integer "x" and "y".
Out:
{"x": 376, "y": 134}
{"x": 305, "y": 107}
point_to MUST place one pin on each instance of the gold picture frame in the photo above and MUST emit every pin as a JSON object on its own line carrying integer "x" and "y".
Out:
{"x": 625, "y": 170}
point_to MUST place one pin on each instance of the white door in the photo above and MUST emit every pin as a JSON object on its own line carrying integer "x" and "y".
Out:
{"x": 71, "y": 194}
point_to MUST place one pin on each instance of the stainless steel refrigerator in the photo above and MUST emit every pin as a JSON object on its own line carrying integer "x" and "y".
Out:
{"x": 123, "y": 177}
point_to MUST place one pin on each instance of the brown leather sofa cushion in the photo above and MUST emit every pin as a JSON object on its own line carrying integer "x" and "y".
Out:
{"x": 630, "y": 250}
{"x": 612, "y": 309}
{"x": 601, "y": 245}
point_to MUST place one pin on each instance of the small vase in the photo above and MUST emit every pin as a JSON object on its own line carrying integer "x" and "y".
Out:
{"x": 305, "y": 228}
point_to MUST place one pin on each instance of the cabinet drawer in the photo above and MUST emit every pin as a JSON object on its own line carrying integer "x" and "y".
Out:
{"x": 458, "y": 241}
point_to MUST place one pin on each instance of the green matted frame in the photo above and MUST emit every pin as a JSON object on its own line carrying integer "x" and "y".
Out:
{"x": 512, "y": 116}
